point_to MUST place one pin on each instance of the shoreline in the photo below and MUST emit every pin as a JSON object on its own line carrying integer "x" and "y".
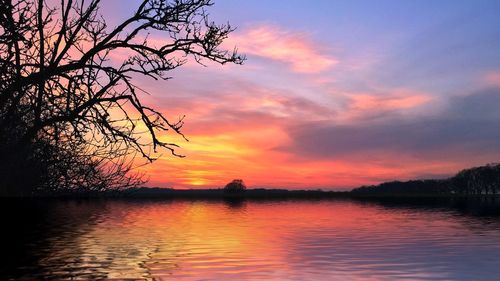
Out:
{"x": 250, "y": 194}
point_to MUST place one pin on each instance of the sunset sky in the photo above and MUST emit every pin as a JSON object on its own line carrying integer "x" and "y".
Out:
{"x": 335, "y": 94}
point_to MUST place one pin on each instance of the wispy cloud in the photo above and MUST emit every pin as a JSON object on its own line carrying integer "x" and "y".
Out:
{"x": 370, "y": 102}
{"x": 296, "y": 49}
{"x": 369, "y": 105}
{"x": 492, "y": 78}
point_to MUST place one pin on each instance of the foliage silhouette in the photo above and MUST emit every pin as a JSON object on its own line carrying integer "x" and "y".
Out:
{"x": 235, "y": 186}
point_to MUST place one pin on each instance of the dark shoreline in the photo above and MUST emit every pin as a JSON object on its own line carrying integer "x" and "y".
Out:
{"x": 254, "y": 194}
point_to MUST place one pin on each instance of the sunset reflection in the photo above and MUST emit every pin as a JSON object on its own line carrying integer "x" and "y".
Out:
{"x": 324, "y": 240}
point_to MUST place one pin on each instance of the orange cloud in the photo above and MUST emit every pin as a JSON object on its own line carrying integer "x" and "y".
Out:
{"x": 215, "y": 159}
{"x": 293, "y": 48}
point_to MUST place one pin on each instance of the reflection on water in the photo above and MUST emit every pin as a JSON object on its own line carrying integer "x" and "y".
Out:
{"x": 280, "y": 240}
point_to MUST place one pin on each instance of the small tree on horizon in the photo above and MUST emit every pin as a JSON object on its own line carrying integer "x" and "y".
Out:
{"x": 235, "y": 186}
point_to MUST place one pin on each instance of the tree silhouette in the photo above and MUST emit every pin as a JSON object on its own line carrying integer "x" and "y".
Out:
{"x": 67, "y": 96}
{"x": 235, "y": 186}
{"x": 481, "y": 180}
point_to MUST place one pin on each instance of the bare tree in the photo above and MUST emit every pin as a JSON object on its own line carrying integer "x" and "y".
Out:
{"x": 61, "y": 83}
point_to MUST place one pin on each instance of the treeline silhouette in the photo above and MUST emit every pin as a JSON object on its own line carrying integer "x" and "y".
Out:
{"x": 475, "y": 182}
{"x": 483, "y": 180}
{"x": 71, "y": 117}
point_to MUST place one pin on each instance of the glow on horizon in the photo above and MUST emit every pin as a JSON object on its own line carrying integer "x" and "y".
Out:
{"x": 343, "y": 100}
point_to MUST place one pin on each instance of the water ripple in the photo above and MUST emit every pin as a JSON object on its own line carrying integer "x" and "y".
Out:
{"x": 289, "y": 240}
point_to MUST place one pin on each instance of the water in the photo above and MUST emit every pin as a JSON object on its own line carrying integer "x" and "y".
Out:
{"x": 270, "y": 240}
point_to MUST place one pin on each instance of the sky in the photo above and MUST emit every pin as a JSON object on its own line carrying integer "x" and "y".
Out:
{"x": 335, "y": 94}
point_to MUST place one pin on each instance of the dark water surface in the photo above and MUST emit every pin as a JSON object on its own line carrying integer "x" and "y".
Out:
{"x": 249, "y": 240}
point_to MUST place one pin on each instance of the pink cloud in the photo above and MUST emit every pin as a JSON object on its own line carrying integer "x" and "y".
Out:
{"x": 293, "y": 48}
{"x": 368, "y": 104}
{"x": 492, "y": 78}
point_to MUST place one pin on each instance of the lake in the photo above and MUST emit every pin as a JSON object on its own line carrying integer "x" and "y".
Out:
{"x": 248, "y": 240}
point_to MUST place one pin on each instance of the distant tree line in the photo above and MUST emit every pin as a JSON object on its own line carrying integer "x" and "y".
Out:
{"x": 484, "y": 180}
{"x": 475, "y": 181}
